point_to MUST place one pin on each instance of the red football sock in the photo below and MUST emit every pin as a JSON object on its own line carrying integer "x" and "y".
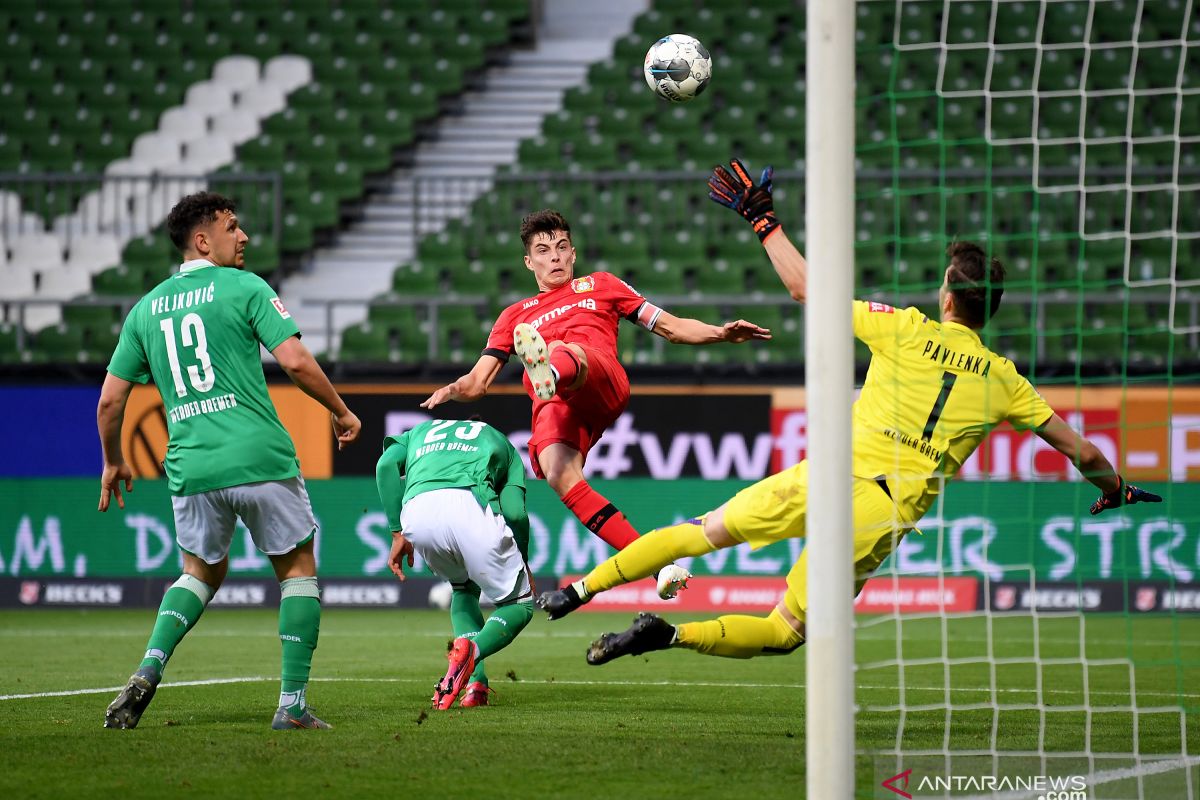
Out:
{"x": 599, "y": 515}
{"x": 566, "y": 364}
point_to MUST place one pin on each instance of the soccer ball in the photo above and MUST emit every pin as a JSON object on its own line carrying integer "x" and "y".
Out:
{"x": 678, "y": 67}
{"x": 440, "y": 594}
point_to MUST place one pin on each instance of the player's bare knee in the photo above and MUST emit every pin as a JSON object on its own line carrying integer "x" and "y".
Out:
{"x": 715, "y": 531}
{"x": 561, "y": 479}
{"x": 298, "y": 563}
{"x": 211, "y": 574}
{"x": 789, "y": 628}
{"x": 562, "y": 468}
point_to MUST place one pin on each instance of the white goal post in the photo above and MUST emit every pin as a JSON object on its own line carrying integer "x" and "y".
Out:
{"x": 829, "y": 384}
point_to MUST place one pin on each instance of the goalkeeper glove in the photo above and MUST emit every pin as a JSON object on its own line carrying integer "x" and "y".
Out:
{"x": 737, "y": 191}
{"x": 1126, "y": 495}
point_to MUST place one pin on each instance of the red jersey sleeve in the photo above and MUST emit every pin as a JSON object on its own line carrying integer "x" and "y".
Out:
{"x": 500, "y": 340}
{"x": 629, "y": 302}
{"x": 624, "y": 297}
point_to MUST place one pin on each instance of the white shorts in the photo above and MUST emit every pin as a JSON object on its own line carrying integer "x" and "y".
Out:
{"x": 459, "y": 540}
{"x": 278, "y": 515}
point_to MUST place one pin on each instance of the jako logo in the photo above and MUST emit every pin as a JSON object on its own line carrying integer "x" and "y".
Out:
{"x": 903, "y": 779}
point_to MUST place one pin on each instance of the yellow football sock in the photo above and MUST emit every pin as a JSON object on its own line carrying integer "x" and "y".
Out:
{"x": 649, "y": 554}
{"x": 738, "y": 636}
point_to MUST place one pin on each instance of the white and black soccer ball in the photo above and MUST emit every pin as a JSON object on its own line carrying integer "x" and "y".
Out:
{"x": 440, "y": 595}
{"x": 678, "y": 67}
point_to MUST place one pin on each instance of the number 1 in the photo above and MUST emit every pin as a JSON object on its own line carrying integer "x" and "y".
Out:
{"x": 948, "y": 379}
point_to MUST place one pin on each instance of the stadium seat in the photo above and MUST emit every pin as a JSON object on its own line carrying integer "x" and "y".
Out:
{"x": 1016, "y": 23}
{"x": 404, "y": 326}
{"x": 1113, "y": 22}
{"x": 17, "y": 283}
{"x": 367, "y": 342}
{"x": 236, "y": 126}
{"x": 91, "y": 253}
{"x": 36, "y": 252}
{"x": 236, "y": 72}
{"x": 416, "y": 279}
{"x": 262, "y": 98}
{"x": 719, "y": 278}
{"x": 10, "y": 348}
{"x": 659, "y": 278}
{"x": 209, "y": 97}
{"x": 205, "y": 154}
{"x": 60, "y": 343}
{"x": 183, "y": 123}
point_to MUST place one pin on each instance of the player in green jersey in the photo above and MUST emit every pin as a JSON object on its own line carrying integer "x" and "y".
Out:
{"x": 198, "y": 335}
{"x": 454, "y": 492}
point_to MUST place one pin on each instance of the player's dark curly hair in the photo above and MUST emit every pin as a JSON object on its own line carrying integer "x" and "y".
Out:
{"x": 193, "y": 211}
{"x": 544, "y": 221}
{"x": 976, "y": 282}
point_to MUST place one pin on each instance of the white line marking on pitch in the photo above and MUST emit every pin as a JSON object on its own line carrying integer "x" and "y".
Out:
{"x": 694, "y": 684}
{"x": 107, "y": 689}
{"x": 261, "y": 679}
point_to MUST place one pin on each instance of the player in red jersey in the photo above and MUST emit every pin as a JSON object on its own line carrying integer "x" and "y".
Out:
{"x": 566, "y": 338}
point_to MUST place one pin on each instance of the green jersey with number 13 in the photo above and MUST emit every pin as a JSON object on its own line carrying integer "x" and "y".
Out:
{"x": 197, "y": 335}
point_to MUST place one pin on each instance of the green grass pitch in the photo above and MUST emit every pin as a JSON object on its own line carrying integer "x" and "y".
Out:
{"x": 667, "y": 724}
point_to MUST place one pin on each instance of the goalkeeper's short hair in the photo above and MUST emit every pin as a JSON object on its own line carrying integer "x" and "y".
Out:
{"x": 976, "y": 281}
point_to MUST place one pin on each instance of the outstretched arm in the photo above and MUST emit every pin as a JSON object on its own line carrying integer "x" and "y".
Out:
{"x": 735, "y": 189}
{"x": 684, "y": 330}
{"x": 469, "y": 387}
{"x": 1094, "y": 466}
{"x": 789, "y": 264}
{"x": 1083, "y": 454}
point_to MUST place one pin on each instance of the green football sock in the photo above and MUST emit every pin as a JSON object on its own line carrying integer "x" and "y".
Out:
{"x": 467, "y": 620}
{"x": 299, "y": 626}
{"x": 502, "y": 627}
{"x": 181, "y": 607}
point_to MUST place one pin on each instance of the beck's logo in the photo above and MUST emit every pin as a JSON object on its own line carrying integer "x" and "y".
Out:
{"x": 29, "y": 592}
{"x": 584, "y": 284}
{"x": 882, "y": 308}
{"x": 1145, "y": 598}
{"x": 902, "y": 779}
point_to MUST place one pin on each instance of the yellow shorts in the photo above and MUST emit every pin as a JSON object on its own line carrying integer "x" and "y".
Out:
{"x": 775, "y": 509}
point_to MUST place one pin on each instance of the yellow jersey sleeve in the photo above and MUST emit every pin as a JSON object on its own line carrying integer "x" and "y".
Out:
{"x": 879, "y": 325}
{"x": 1028, "y": 410}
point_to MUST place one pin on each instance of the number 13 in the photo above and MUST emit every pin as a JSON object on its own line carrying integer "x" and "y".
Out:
{"x": 191, "y": 330}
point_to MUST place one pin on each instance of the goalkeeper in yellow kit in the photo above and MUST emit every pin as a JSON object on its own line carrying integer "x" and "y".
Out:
{"x": 932, "y": 393}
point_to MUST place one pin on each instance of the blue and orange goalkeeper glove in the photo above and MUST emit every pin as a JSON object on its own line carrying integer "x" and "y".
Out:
{"x": 739, "y": 192}
{"x": 1126, "y": 495}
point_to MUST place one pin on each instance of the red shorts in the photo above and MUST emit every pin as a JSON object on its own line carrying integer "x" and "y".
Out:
{"x": 580, "y": 418}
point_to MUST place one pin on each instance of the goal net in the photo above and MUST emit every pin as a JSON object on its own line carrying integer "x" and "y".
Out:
{"x": 1021, "y": 646}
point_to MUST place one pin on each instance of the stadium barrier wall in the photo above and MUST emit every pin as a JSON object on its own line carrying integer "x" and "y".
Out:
{"x": 718, "y": 433}
{"x": 706, "y": 594}
{"x": 998, "y": 532}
